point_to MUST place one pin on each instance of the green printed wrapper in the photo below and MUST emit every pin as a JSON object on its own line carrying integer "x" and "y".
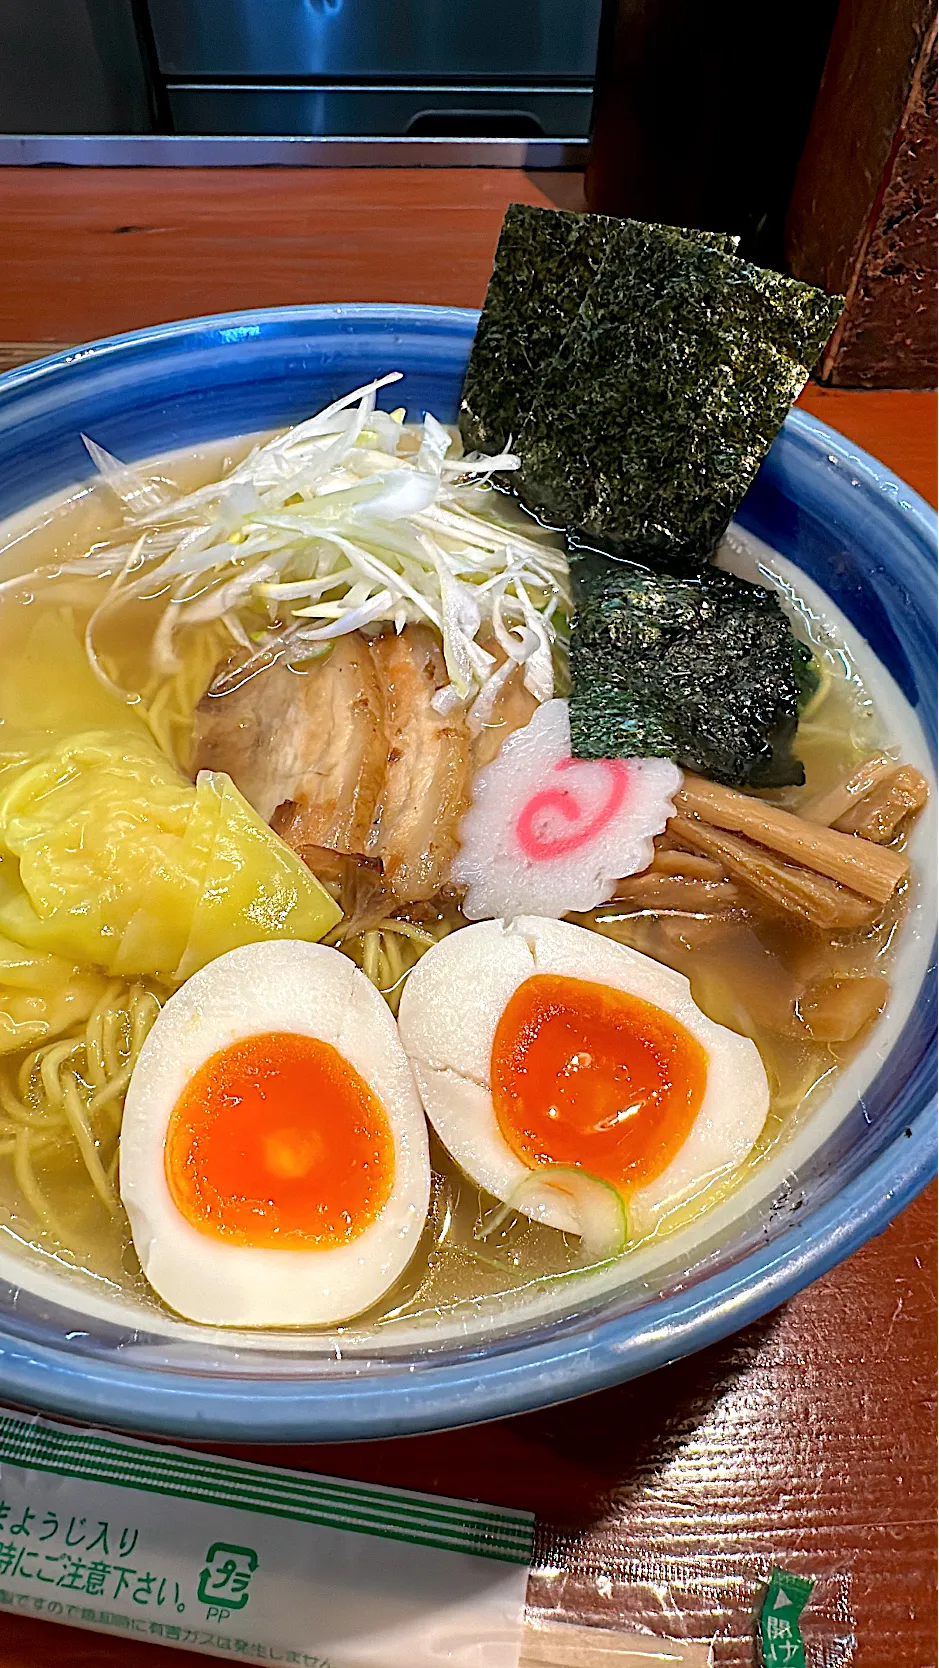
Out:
{"x": 248, "y": 1561}
{"x": 780, "y": 1633}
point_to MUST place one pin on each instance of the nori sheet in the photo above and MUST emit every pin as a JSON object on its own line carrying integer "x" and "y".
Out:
{"x": 641, "y": 387}
{"x": 543, "y": 269}
{"x": 545, "y": 264}
{"x": 704, "y": 671}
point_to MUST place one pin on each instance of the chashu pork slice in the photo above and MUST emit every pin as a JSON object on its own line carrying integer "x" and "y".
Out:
{"x": 427, "y": 774}
{"x": 306, "y": 748}
{"x": 511, "y": 710}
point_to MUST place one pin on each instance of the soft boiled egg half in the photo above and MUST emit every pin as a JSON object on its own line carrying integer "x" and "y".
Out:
{"x": 576, "y": 1079}
{"x": 274, "y": 1161}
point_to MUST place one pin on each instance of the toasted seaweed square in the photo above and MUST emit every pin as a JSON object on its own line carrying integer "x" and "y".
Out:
{"x": 641, "y": 389}
{"x": 545, "y": 264}
{"x": 705, "y": 671}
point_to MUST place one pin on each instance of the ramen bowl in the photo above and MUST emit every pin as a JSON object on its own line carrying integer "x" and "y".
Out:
{"x": 864, "y": 548}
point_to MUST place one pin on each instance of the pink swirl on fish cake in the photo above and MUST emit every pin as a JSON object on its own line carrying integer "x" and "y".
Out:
{"x": 542, "y": 847}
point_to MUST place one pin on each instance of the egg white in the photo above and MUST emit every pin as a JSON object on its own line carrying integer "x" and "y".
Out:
{"x": 284, "y": 986}
{"x": 452, "y": 1004}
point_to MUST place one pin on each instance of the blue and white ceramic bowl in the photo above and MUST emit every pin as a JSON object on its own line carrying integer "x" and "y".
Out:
{"x": 73, "y": 1346}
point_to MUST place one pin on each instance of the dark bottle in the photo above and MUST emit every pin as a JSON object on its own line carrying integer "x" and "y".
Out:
{"x": 701, "y": 112}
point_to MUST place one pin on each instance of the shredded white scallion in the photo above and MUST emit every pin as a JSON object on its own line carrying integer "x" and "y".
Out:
{"x": 348, "y": 521}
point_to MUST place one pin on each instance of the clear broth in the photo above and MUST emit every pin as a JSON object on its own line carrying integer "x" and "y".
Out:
{"x": 454, "y": 1267}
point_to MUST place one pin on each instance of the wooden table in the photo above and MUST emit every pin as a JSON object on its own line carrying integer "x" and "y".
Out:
{"x": 808, "y": 1439}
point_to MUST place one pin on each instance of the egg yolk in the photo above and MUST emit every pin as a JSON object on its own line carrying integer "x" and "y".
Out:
{"x": 591, "y": 1077}
{"x": 276, "y": 1141}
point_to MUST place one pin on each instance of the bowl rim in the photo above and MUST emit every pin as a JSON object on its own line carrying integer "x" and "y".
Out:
{"x": 452, "y": 1393}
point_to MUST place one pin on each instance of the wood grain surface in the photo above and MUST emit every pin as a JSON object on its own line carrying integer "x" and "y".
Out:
{"x": 862, "y": 216}
{"x": 809, "y": 1438}
{"x": 90, "y": 253}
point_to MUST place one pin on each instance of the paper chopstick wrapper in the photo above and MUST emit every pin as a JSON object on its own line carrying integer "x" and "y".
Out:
{"x": 249, "y": 1562}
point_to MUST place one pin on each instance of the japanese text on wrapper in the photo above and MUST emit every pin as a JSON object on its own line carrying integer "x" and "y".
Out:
{"x": 172, "y": 1632}
{"x": 76, "y": 1557}
{"x": 80, "y": 1555}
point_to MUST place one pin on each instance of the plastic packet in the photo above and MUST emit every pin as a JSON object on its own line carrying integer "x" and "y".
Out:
{"x": 688, "y": 1596}
{"x": 237, "y": 1559}
{"x": 234, "y": 1559}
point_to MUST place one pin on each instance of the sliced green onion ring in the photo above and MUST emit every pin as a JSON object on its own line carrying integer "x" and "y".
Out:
{"x": 596, "y": 1209}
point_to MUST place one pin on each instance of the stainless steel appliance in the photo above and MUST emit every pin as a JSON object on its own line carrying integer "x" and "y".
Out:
{"x": 416, "y": 68}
